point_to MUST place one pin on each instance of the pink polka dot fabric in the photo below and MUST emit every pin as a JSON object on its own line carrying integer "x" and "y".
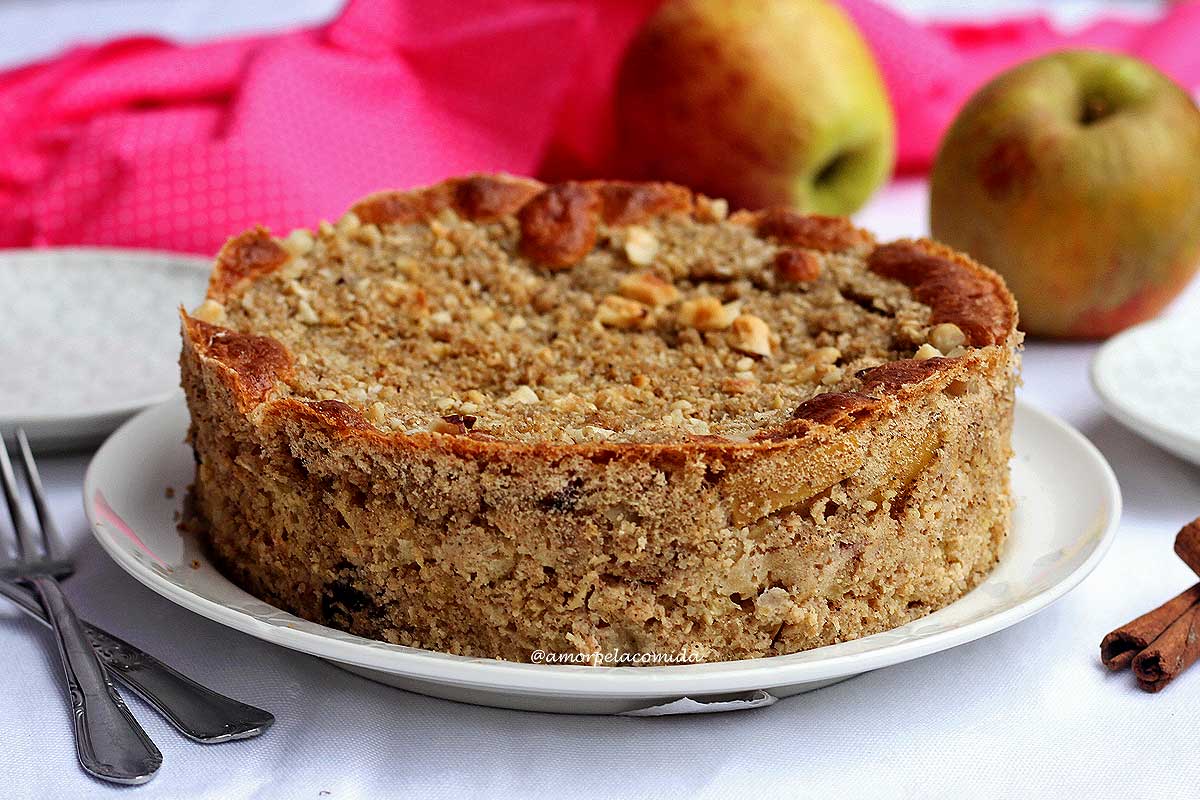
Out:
{"x": 145, "y": 143}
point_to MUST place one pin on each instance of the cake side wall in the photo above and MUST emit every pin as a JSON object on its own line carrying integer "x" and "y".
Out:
{"x": 498, "y": 554}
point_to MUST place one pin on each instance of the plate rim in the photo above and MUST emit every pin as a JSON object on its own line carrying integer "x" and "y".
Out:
{"x": 609, "y": 682}
{"x": 101, "y": 415}
{"x": 1127, "y": 414}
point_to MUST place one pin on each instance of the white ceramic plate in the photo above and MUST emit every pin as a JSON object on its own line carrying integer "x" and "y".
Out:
{"x": 88, "y": 336}
{"x": 1148, "y": 377}
{"x": 1068, "y": 504}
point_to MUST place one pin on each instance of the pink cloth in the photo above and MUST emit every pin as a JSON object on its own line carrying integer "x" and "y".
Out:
{"x": 146, "y": 143}
{"x": 931, "y": 71}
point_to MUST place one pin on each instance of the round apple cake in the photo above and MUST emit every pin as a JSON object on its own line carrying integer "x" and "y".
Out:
{"x": 493, "y": 416}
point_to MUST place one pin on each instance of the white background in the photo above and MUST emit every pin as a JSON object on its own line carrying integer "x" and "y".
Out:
{"x": 1025, "y": 713}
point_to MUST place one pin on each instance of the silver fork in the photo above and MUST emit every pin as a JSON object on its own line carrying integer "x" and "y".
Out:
{"x": 198, "y": 712}
{"x": 108, "y": 740}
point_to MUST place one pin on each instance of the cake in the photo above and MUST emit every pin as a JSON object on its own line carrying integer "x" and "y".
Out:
{"x": 492, "y": 417}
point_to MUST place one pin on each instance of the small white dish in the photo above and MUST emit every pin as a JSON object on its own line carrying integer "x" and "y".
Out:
{"x": 1148, "y": 378}
{"x": 1068, "y": 504}
{"x": 89, "y": 336}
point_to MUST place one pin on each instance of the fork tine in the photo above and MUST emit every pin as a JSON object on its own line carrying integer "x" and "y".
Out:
{"x": 50, "y": 537}
{"x": 25, "y": 534}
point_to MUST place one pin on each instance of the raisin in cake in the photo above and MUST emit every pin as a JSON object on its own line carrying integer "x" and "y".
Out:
{"x": 493, "y": 415}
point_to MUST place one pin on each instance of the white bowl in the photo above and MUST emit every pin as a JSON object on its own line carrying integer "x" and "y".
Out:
{"x": 88, "y": 336}
{"x": 1148, "y": 378}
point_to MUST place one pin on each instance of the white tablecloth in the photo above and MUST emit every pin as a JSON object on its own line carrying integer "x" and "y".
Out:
{"x": 1026, "y": 713}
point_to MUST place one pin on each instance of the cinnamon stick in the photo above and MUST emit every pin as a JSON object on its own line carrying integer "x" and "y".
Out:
{"x": 1170, "y": 654}
{"x": 1187, "y": 545}
{"x": 1118, "y": 648}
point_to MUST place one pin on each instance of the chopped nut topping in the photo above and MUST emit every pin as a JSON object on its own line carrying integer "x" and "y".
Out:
{"x": 709, "y": 209}
{"x": 596, "y": 432}
{"x": 926, "y": 351}
{"x": 621, "y": 312}
{"x": 707, "y": 314}
{"x": 751, "y": 335}
{"x": 349, "y": 223}
{"x": 648, "y": 288}
{"x": 456, "y": 424}
{"x": 712, "y": 312}
{"x": 640, "y": 246}
{"x": 544, "y": 300}
{"x": 797, "y": 266}
{"x": 294, "y": 269}
{"x": 369, "y": 235}
{"x": 377, "y": 413}
{"x": 820, "y": 365}
{"x": 572, "y": 402}
{"x": 299, "y": 242}
{"x": 306, "y": 314}
{"x": 408, "y": 267}
{"x": 210, "y": 311}
{"x": 738, "y": 385}
{"x": 522, "y": 395}
{"x": 393, "y": 292}
{"x": 588, "y": 433}
{"x": 947, "y": 336}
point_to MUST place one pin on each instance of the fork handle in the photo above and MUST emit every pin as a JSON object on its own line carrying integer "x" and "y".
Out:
{"x": 108, "y": 740}
{"x": 196, "y": 711}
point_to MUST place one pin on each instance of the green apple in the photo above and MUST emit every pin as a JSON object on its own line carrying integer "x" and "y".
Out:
{"x": 764, "y": 102}
{"x": 1077, "y": 177}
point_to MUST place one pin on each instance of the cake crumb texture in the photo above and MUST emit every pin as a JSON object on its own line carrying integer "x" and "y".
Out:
{"x": 492, "y": 416}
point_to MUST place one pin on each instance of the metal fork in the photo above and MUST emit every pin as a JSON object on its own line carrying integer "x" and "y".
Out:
{"x": 108, "y": 740}
{"x": 196, "y": 711}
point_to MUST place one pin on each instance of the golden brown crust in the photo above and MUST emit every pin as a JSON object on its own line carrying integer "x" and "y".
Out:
{"x": 629, "y": 203}
{"x": 482, "y": 198}
{"x": 403, "y": 208}
{"x": 245, "y": 257}
{"x": 559, "y": 226}
{"x": 958, "y": 290}
{"x": 251, "y": 363}
{"x": 836, "y": 408}
{"x": 797, "y": 266}
{"x": 339, "y": 416}
{"x": 813, "y": 231}
{"x": 891, "y": 376}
